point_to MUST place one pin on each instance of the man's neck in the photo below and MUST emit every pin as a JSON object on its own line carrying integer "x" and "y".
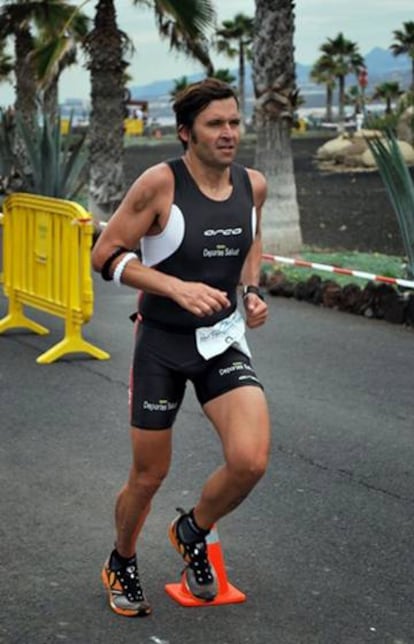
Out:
{"x": 215, "y": 182}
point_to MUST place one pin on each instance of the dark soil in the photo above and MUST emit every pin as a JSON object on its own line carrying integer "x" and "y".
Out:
{"x": 338, "y": 210}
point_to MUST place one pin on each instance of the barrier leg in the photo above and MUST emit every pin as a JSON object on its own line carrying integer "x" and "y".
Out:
{"x": 73, "y": 342}
{"x": 227, "y": 594}
{"x": 16, "y": 319}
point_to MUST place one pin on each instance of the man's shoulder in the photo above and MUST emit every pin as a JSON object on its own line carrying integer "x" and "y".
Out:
{"x": 256, "y": 176}
{"x": 158, "y": 174}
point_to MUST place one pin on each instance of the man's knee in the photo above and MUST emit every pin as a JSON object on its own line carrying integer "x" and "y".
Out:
{"x": 248, "y": 468}
{"x": 148, "y": 480}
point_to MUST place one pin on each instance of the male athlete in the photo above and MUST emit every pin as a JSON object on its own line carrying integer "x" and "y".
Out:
{"x": 196, "y": 220}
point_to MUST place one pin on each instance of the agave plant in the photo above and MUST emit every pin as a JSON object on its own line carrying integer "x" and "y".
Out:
{"x": 57, "y": 163}
{"x": 400, "y": 187}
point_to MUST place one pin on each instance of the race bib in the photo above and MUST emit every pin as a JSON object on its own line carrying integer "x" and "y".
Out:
{"x": 213, "y": 340}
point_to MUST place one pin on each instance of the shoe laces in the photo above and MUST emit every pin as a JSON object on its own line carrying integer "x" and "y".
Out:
{"x": 128, "y": 576}
{"x": 196, "y": 555}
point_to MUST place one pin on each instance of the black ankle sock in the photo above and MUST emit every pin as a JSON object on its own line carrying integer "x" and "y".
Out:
{"x": 188, "y": 529}
{"x": 120, "y": 560}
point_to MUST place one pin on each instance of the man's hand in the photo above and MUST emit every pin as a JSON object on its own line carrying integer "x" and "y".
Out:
{"x": 256, "y": 310}
{"x": 200, "y": 299}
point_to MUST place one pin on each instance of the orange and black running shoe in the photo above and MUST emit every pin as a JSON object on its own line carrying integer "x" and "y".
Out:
{"x": 200, "y": 576}
{"x": 125, "y": 593}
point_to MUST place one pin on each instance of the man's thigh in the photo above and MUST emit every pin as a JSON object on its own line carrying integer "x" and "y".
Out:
{"x": 230, "y": 370}
{"x": 241, "y": 419}
{"x": 156, "y": 388}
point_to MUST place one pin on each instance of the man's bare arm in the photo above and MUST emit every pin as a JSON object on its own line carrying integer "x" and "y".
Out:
{"x": 145, "y": 209}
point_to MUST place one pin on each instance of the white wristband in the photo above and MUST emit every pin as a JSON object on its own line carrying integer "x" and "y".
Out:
{"x": 119, "y": 268}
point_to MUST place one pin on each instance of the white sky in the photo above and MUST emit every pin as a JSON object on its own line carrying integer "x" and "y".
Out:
{"x": 369, "y": 23}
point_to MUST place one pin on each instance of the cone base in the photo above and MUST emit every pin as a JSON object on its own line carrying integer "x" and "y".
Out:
{"x": 180, "y": 594}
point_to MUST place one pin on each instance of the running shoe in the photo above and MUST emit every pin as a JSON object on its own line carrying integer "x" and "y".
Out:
{"x": 125, "y": 593}
{"x": 200, "y": 576}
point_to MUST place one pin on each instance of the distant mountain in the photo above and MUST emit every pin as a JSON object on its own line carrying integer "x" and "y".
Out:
{"x": 381, "y": 62}
{"x": 381, "y": 65}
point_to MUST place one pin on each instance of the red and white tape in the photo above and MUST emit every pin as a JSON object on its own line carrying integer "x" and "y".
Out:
{"x": 337, "y": 269}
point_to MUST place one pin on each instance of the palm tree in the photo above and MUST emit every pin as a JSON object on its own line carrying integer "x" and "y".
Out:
{"x": 6, "y": 65}
{"x": 388, "y": 92}
{"x": 180, "y": 85}
{"x": 15, "y": 21}
{"x": 345, "y": 59}
{"x": 224, "y": 75}
{"x": 55, "y": 49}
{"x": 323, "y": 73}
{"x": 405, "y": 45}
{"x": 354, "y": 98}
{"x": 240, "y": 30}
{"x": 184, "y": 24}
{"x": 19, "y": 19}
{"x": 276, "y": 97}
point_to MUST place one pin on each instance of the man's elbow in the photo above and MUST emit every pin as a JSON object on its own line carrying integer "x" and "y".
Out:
{"x": 97, "y": 259}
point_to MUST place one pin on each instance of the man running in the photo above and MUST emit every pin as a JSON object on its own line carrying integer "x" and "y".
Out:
{"x": 196, "y": 220}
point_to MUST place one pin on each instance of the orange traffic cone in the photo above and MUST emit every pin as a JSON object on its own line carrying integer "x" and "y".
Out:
{"x": 227, "y": 594}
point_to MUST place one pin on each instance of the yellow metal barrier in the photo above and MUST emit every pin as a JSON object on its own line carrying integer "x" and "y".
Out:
{"x": 133, "y": 127}
{"x": 64, "y": 126}
{"x": 1, "y": 245}
{"x": 46, "y": 264}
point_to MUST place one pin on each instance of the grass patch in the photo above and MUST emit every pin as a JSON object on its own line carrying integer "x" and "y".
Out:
{"x": 375, "y": 263}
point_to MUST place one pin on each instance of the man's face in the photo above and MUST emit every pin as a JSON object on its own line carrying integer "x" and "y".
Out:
{"x": 215, "y": 135}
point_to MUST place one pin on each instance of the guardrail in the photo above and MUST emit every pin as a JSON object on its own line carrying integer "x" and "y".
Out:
{"x": 47, "y": 265}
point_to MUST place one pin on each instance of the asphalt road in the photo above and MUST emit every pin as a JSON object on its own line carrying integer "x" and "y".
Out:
{"x": 323, "y": 547}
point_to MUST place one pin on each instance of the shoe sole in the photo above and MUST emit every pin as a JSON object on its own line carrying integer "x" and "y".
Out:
{"x": 121, "y": 611}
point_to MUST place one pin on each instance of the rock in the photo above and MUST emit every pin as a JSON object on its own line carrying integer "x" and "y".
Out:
{"x": 406, "y": 150}
{"x": 279, "y": 285}
{"x": 395, "y": 306}
{"x": 367, "y": 134}
{"x": 299, "y": 291}
{"x": 357, "y": 148}
{"x": 405, "y": 129}
{"x": 312, "y": 289}
{"x": 353, "y": 161}
{"x": 328, "y": 150}
{"x": 331, "y": 294}
{"x": 351, "y": 298}
{"x": 409, "y": 310}
{"x": 379, "y": 301}
{"x": 367, "y": 305}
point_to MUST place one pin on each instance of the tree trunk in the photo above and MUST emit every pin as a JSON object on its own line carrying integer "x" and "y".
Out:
{"x": 50, "y": 101}
{"x": 341, "y": 114}
{"x": 329, "y": 103}
{"x": 275, "y": 92}
{"x": 25, "y": 72}
{"x": 26, "y": 103}
{"x": 242, "y": 82}
{"x": 106, "y": 162}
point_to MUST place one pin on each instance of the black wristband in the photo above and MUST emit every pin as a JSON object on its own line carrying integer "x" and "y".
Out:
{"x": 252, "y": 288}
{"x": 105, "y": 272}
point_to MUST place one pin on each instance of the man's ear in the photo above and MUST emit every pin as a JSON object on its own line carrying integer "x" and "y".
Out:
{"x": 183, "y": 133}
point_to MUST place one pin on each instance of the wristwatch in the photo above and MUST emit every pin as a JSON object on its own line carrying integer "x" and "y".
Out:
{"x": 252, "y": 288}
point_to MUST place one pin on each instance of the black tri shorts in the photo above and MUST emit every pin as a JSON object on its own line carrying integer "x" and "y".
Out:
{"x": 164, "y": 361}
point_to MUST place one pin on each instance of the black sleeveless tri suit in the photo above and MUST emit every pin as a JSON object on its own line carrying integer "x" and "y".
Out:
{"x": 204, "y": 241}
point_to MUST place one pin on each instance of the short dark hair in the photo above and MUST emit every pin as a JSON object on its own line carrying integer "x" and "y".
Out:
{"x": 195, "y": 97}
